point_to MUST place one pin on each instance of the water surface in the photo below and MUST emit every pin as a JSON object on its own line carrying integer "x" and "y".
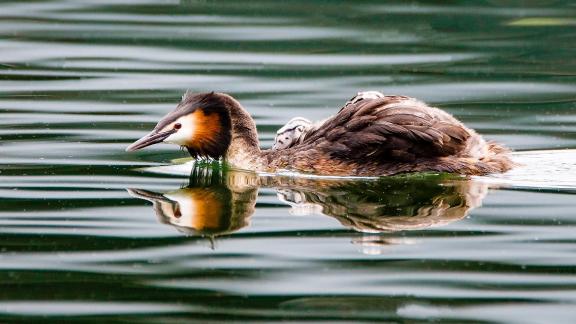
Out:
{"x": 79, "y": 80}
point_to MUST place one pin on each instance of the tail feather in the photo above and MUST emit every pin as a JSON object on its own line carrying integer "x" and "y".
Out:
{"x": 498, "y": 159}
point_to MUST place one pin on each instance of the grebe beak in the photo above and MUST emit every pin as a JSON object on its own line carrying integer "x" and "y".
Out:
{"x": 150, "y": 139}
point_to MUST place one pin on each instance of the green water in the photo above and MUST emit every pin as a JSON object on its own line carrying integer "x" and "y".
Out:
{"x": 80, "y": 80}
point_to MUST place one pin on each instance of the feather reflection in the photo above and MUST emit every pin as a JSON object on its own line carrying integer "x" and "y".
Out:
{"x": 218, "y": 202}
{"x": 388, "y": 204}
{"x": 214, "y": 202}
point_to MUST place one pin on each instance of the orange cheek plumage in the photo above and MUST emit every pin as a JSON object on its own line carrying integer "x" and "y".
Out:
{"x": 198, "y": 209}
{"x": 205, "y": 128}
{"x": 209, "y": 212}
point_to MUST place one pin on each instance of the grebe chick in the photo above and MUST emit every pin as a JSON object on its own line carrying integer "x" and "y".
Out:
{"x": 296, "y": 129}
{"x": 372, "y": 137}
{"x": 292, "y": 133}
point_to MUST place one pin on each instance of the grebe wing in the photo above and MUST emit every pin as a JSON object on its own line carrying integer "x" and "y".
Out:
{"x": 389, "y": 128}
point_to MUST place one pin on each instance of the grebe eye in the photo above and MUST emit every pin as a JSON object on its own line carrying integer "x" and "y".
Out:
{"x": 177, "y": 126}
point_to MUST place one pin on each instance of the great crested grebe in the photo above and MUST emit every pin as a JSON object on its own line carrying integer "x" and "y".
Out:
{"x": 371, "y": 137}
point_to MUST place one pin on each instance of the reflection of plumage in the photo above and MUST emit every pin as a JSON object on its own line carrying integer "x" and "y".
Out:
{"x": 385, "y": 205}
{"x": 370, "y": 137}
{"x": 212, "y": 203}
{"x": 220, "y": 202}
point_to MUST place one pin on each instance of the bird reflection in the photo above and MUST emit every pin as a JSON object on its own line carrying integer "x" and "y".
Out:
{"x": 214, "y": 202}
{"x": 389, "y": 204}
{"x": 219, "y": 201}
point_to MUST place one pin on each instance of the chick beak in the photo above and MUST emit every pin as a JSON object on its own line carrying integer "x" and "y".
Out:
{"x": 150, "y": 139}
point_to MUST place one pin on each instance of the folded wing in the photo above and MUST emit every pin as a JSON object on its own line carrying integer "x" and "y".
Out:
{"x": 392, "y": 128}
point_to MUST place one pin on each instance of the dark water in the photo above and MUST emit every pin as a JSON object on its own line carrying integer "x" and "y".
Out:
{"x": 79, "y": 80}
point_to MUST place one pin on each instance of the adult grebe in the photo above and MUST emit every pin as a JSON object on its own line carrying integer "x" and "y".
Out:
{"x": 371, "y": 137}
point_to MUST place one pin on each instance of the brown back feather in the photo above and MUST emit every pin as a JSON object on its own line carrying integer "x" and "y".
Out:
{"x": 393, "y": 128}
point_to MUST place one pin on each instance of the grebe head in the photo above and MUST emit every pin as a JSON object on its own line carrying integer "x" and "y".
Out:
{"x": 201, "y": 123}
{"x": 291, "y": 133}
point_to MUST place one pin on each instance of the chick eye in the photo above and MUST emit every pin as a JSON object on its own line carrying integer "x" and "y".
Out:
{"x": 177, "y": 126}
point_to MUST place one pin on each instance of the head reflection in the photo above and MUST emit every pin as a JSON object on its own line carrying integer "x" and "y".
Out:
{"x": 214, "y": 202}
{"x": 218, "y": 202}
